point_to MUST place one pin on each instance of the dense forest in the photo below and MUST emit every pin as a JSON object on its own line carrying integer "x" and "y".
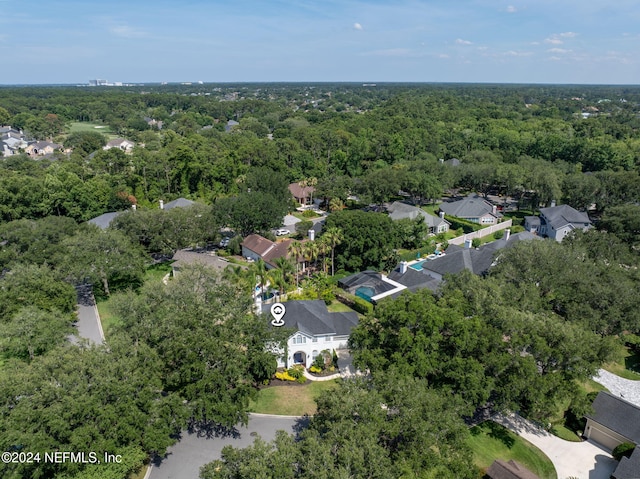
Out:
{"x": 191, "y": 354}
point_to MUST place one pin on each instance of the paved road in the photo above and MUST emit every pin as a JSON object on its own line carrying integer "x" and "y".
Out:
{"x": 584, "y": 460}
{"x": 184, "y": 459}
{"x": 625, "y": 388}
{"x": 88, "y": 323}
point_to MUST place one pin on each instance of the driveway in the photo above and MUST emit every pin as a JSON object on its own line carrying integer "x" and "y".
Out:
{"x": 625, "y": 388}
{"x": 88, "y": 324}
{"x": 184, "y": 459}
{"x": 583, "y": 460}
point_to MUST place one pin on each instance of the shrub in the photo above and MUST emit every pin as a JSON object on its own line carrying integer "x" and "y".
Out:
{"x": 632, "y": 341}
{"x": 314, "y": 369}
{"x": 309, "y": 214}
{"x": 623, "y": 450}
{"x": 475, "y": 242}
{"x": 498, "y": 234}
{"x": 284, "y": 376}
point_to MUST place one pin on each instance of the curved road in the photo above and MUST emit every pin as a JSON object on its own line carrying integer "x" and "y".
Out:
{"x": 184, "y": 459}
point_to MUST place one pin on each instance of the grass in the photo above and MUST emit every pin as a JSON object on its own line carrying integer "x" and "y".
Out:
{"x": 156, "y": 272}
{"x": 625, "y": 364}
{"x": 291, "y": 400}
{"x": 490, "y": 441}
{"x": 338, "y": 307}
{"x": 80, "y": 126}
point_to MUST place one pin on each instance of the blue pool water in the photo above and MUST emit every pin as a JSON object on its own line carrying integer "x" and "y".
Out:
{"x": 365, "y": 293}
{"x": 418, "y": 266}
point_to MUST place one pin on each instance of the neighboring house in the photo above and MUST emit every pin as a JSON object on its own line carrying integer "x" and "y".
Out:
{"x": 371, "y": 286}
{"x": 509, "y": 470}
{"x": 450, "y": 162}
{"x": 557, "y": 222}
{"x": 613, "y": 421}
{"x": 179, "y": 203}
{"x": 436, "y": 224}
{"x": 121, "y": 144}
{"x": 187, "y": 257}
{"x": 477, "y": 260}
{"x": 302, "y": 195}
{"x": 315, "y": 330}
{"x": 41, "y": 148}
{"x": 473, "y": 208}
{"x": 413, "y": 279}
{"x": 103, "y": 221}
{"x": 153, "y": 123}
{"x": 258, "y": 247}
{"x": 629, "y": 467}
{"x": 230, "y": 125}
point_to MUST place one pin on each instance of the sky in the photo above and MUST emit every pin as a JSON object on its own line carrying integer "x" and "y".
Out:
{"x": 495, "y": 41}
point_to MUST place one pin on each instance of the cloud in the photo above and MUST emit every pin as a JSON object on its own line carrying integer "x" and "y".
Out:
{"x": 357, "y": 26}
{"x": 559, "y": 38}
{"x": 558, "y": 50}
{"x": 460, "y": 41}
{"x": 392, "y": 52}
{"x": 126, "y": 31}
{"x": 511, "y": 9}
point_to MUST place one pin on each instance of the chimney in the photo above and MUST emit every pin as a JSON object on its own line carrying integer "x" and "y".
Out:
{"x": 312, "y": 235}
{"x": 441, "y": 160}
{"x": 403, "y": 267}
{"x": 441, "y": 214}
{"x": 494, "y": 209}
{"x": 553, "y": 203}
{"x": 161, "y": 204}
{"x": 133, "y": 207}
{"x": 507, "y": 233}
{"x": 467, "y": 243}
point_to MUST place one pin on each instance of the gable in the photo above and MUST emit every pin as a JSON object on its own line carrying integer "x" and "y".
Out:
{"x": 617, "y": 415}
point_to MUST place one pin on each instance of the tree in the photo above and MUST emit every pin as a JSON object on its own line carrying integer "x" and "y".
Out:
{"x": 103, "y": 257}
{"x": 251, "y": 212}
{"x": 333, "y": 237}
{"x": 624, "y": 222}
{"x": 367, "y": 238}
{"x": 295, "y": 249}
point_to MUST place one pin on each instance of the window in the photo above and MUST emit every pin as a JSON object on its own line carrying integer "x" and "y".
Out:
{"x": 327, "y": 339}
{"x": 299, "y": 339}
{"x": 315, "y": 340}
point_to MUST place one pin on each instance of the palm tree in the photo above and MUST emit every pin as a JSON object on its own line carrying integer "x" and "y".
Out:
{"x": 333, "y": 236}
{"x": 286, "y": 266}
{"x": 336, "y": 204}
{"x": 259, "y": 272}
{"x": 276, "y": 278}
{"x": 312, "y": 182}
{"x": 295, "y": 249}
{"x": 324, "y": 247}
{"x": 311, "y": 251}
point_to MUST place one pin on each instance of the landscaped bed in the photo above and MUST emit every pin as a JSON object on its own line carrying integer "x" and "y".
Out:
{"x": 490, "y": 441}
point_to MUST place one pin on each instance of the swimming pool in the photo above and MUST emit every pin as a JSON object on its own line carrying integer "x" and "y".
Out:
{"x": 418, "y": 266}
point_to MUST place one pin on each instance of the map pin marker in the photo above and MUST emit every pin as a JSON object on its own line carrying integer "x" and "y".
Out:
{"x": 278, "y": 311}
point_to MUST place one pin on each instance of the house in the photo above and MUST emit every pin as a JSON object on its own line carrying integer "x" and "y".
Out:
{"x": 121, "y": 144}
{"x": 436, "y": 224}
{"x": 413, "y": 279}
{"x": 477, "y": 260}
{"x": 230, "y": 125}
{"x": 509, "y": 470}
{"x": 103, "y": 221}
{"x": 302, "y": 194}
{"x": 41, "y": 148}
{"x": 178, "y": 203}
{"x": 187, "y": 257}
{"x": 257, "y": 247}
{"x": 556, "y": 222}
{"x": 473, "y": 208}
{"x": 371, "y": 286}
{"x": 629, "y": 467}
{"x": 315, "y": 330}
{"x": 613, "y": 421}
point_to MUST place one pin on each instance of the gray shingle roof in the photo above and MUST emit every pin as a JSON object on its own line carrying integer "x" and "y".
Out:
{"x": 618, "y": 415}
{"x": 186, "y": 257}
{"x": 179, "y": 203}
{"x": 103, "y": 221}
{"x": 414, "y": 280}
{"x": 472, "y": 206}
{"x": 629, "y": 467}
{"x": 559, "y": 216}
{"x": 399, "y": 210}
{"x": 312, "y": 317}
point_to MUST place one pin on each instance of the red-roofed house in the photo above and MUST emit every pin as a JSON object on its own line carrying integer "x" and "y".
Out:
{"x": 258, "y": 247}
{"x": 302, "y": 195}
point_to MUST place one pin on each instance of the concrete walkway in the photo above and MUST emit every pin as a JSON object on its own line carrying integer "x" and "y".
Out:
{"x": 582, "y": 460}
{"x": 625, "y": 388}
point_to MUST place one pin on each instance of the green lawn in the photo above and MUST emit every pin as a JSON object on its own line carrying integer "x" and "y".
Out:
{"x": 625, "y": 363}
{"x": 80, "y": 126}
{"x": 338, "y": 307}
{"x": 107, "y": 318}
{"x": 490, "y": 441}
{"x": 294, "y": 400}
{"x": 156, "y": 272}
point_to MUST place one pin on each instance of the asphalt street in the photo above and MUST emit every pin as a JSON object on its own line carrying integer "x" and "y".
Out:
{"x": 184, "y": 459}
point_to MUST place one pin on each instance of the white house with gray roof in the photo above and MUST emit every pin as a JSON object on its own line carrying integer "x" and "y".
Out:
{"x": 315, "y": 329}
{"x": 436, "y": 224}
{"x": 473, "y": 208}
{"x": 556, "y": 222}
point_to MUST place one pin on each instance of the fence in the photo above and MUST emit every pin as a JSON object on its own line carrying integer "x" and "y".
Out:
{"x": 459, "y": 240}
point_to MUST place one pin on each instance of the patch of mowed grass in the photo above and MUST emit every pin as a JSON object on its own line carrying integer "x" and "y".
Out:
{"x": 157, "y": 271}
{"x": 81, "y": 126}
{"x": 490, "y": 441}
{"x": 625, "y": 363}
{"x": 291, "y": 400}
{"x": 107, "y": 317}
